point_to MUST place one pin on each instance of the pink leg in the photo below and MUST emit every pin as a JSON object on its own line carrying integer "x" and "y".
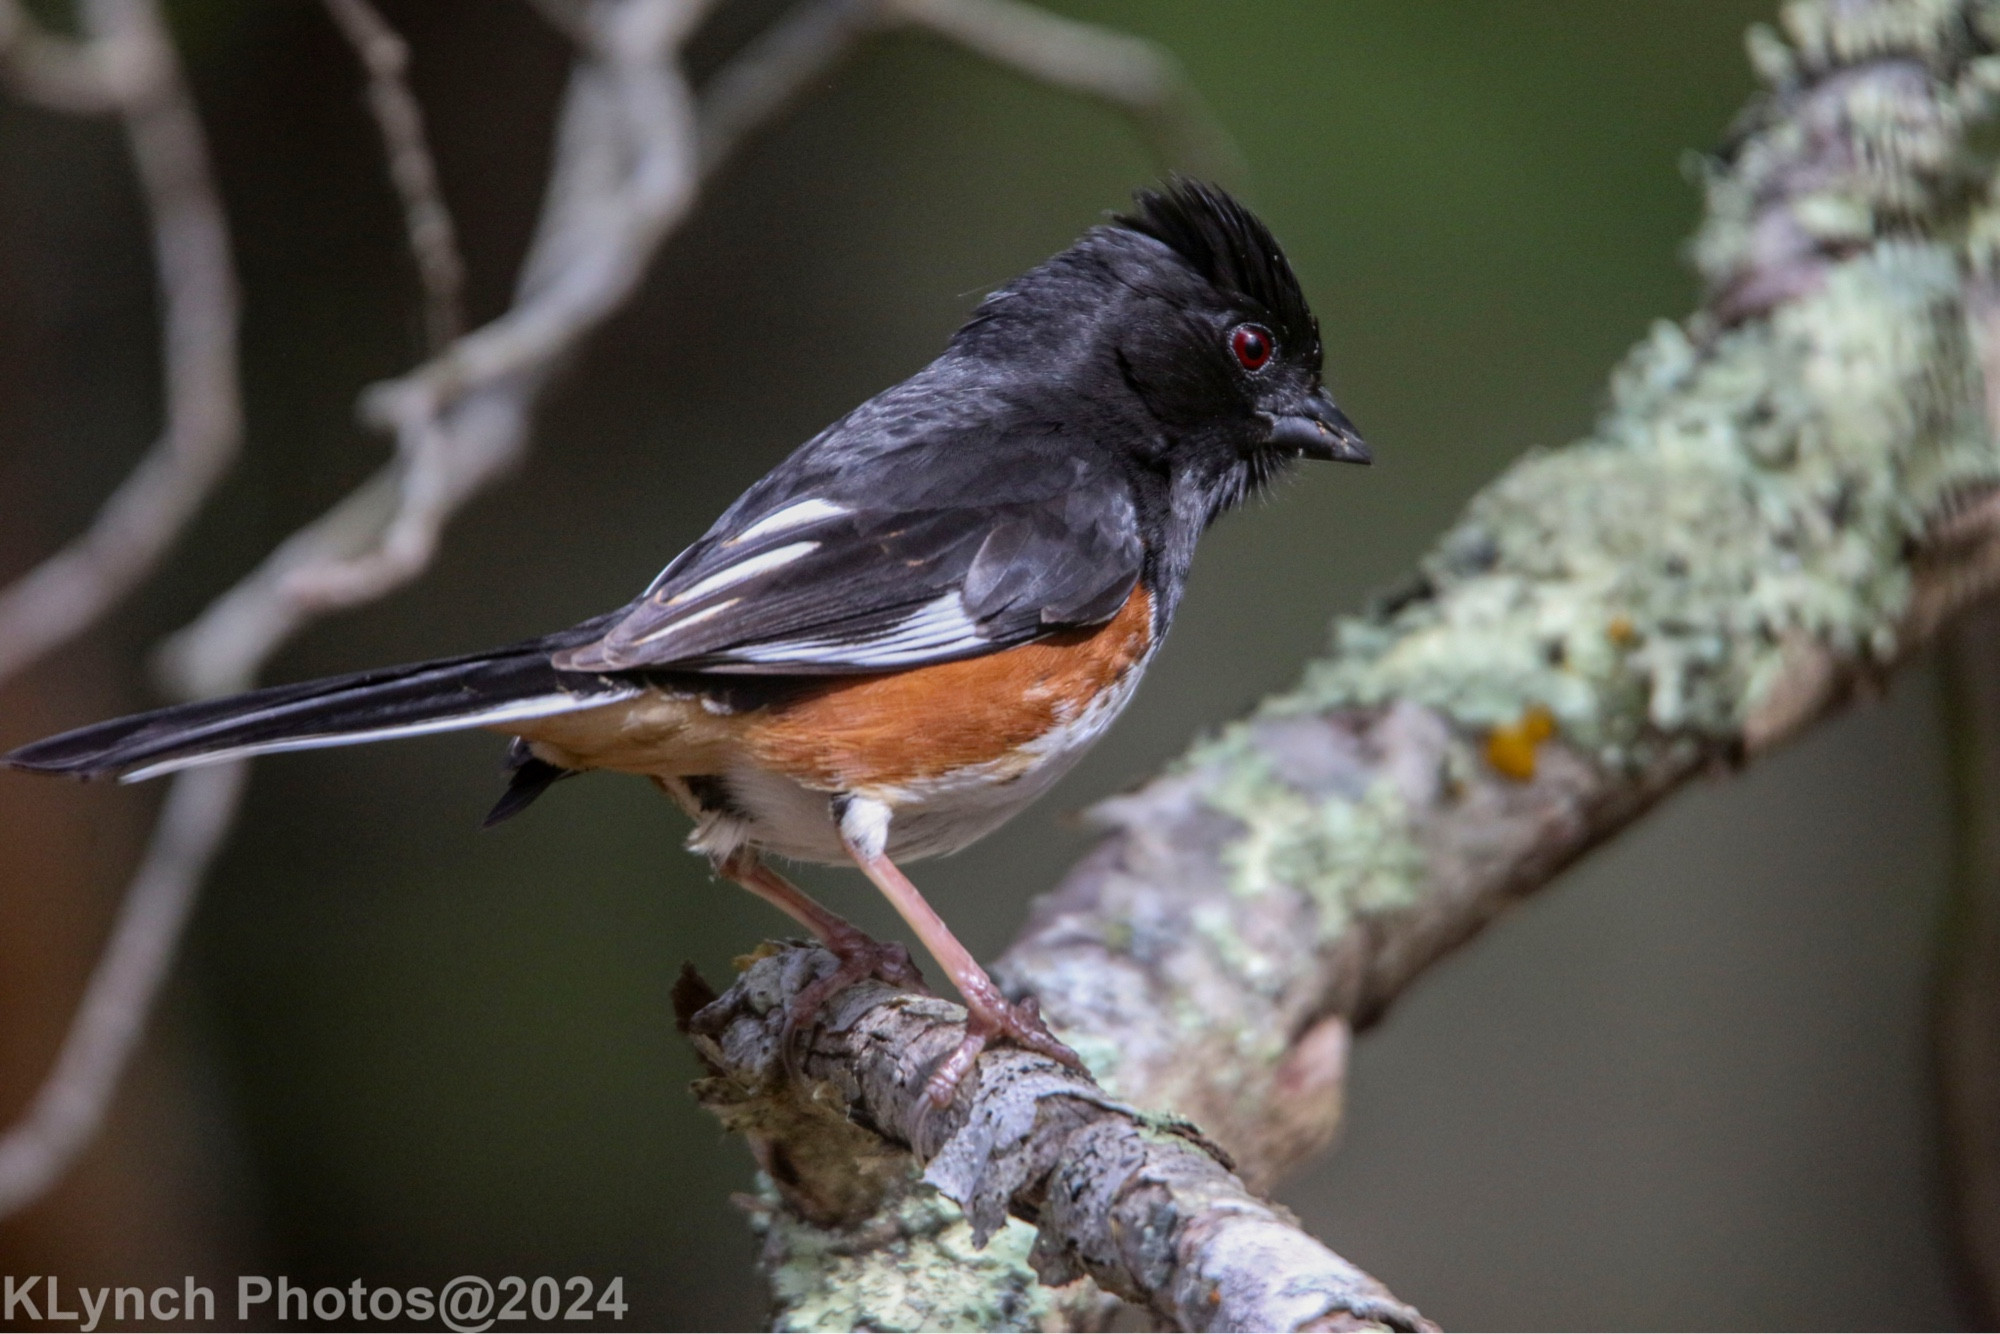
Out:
{"x": 989, "y": 1014}
{"x": 860, "y": 954}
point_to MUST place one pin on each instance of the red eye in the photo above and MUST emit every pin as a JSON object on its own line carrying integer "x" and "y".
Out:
{"x": 1252, "y": 345}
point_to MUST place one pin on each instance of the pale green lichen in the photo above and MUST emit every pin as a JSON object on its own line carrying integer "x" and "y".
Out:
{"x": 928, "y": 1276}
{"x": 1642, "y": 584}
{"x": 1352, "y": 856}
{"x": 1907, "y": 130}
{"x": 1102, "y": 1054}
{"x": 1827, "y": 35}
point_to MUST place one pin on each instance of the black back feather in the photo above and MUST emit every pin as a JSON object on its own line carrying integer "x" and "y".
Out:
{"x": 1232, "y": 248}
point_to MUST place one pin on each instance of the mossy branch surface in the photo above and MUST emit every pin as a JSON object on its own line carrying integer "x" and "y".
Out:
{"x": 1788, "y": 492}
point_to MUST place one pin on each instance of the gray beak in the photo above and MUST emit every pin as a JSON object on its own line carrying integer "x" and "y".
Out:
{"x": 1322, "y": 432}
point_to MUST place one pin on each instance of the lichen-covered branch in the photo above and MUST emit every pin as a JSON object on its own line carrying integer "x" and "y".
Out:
{"x": 1789, "y": 492}
{"x": 1139, "y": 1203}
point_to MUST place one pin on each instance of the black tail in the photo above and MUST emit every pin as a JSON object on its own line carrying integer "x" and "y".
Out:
{"x": 477, "y": 690}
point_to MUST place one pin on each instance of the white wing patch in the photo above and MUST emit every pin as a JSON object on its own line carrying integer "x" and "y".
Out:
{"x": 939, "y": 628}
{"x": 750, "y": 568}
{"x": 520, "y": 710}
{"x": 795, "y": 515}
{"x": 675, "y": 627}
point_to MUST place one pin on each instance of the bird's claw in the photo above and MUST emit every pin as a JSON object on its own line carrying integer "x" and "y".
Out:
{"x": 1016, "y": 1022}
{"x": 861, "y": 957}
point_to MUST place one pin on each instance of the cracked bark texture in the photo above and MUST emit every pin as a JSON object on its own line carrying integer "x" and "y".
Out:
{"x": 1140, "y": 1203}
{"x": 1788, "y": 493}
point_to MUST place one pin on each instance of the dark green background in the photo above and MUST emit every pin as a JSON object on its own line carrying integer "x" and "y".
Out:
{"x": 1684, "y": 1088}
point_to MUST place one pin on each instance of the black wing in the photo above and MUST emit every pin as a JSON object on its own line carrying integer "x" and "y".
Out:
{"x": 895, "y": 559}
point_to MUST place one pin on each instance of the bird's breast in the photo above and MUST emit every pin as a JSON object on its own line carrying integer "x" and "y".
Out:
{"x": 988, "y": 719}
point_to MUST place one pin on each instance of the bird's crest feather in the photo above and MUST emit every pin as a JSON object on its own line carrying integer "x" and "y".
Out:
{"x": 1229, "y": 246}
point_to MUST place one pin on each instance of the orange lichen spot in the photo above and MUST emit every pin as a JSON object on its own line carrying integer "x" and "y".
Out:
{"x": 1511, "y": 748}
{"x": 1621, "y": 632}
{"x": 743, "y": 962}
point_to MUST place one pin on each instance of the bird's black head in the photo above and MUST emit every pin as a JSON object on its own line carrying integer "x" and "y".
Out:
{"x": 1186, "y": 312}
{"x": 1228, "y": 350}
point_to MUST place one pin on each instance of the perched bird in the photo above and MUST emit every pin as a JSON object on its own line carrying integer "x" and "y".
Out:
{"x": 912, "y": 626}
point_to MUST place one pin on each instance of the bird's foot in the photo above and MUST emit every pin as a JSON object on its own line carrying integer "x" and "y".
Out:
{"x": 988, "y": 1012}
{"x": 861, "y": 957}
{"x": 994, "y": 1016}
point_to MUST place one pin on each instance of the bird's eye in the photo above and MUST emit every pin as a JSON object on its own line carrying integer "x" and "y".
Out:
{"x": 1253, "y": 345}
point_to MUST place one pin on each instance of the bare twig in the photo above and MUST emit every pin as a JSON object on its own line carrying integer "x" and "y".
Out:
{"x": 71, "y": 1104}
{"x": 622, "y": 174}
{"x": 239, "y": 631}
{"x": 1132, "y": 76}
{"x": 74, "y": 588}
{"x": 129, "y": 65}
{"x": 433, "y": 243}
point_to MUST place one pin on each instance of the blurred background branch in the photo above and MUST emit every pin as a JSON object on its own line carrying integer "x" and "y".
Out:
{"x": 433, "y": 239}
{"x": 126, "y": 64}
{"x": 621, "y": 178}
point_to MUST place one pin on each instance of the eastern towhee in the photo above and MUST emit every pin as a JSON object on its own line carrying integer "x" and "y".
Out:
{"x": 916, "y": 623}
